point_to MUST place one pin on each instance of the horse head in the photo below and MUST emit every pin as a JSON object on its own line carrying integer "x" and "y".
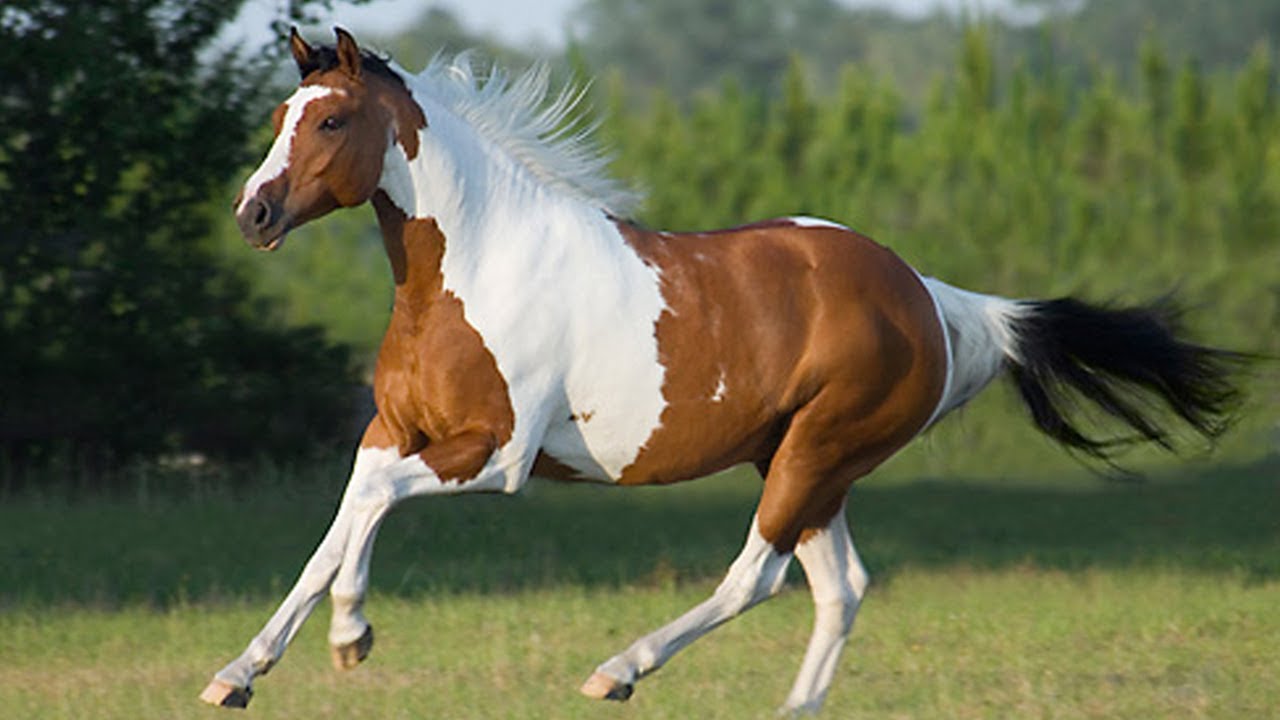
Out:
{"x": 331, "y": 137}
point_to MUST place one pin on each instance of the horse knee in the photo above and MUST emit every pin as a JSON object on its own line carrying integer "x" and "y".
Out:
{"x": 836, "y": 606}
{"x": 371, "y": 487}
{"x": 740, "y": 592}
{"x": 345, "y": 602}
{"x": 838, "y": 614}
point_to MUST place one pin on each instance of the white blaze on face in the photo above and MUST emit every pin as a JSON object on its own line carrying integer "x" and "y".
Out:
{"x": 278, "y": 157}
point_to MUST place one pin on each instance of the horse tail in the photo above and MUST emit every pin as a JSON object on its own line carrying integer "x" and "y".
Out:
{"x": 1071, "y": 360}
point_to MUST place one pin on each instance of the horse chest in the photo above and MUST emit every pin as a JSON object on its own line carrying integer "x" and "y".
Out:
{"x": 435, "y": 377}
{"x": 569, "y": 322}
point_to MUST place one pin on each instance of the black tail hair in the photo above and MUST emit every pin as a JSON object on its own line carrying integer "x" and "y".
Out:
{"x": 1131, "y": 363}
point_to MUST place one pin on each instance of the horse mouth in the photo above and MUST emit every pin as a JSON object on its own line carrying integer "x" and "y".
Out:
{"x": 268, "y": 239}
{"x": 270, "y": 245}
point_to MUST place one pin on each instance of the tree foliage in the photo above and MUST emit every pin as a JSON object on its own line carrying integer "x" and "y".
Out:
{"x": 118, "y": 334}
{"x": 686, "y": 47}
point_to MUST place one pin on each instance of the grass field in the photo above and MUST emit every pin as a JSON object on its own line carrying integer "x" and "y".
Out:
{"x": 1053, "y": 599}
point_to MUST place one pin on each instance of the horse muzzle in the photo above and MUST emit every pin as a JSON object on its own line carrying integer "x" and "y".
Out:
{"x": 262, "y": 223}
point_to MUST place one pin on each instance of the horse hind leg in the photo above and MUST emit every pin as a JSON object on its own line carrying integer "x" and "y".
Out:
{"x": 798, "y": 493}
{"x": 756, "y": 575}
{"x": 802, "y": 511}
{"x": 837, "y": 581}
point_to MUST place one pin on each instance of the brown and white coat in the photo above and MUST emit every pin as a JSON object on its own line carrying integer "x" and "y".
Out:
{"x": 534, "y": 331}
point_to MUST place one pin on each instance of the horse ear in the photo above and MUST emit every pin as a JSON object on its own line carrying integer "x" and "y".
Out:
{"x": 303, "y": 54}
{"x": 348, "y": 54}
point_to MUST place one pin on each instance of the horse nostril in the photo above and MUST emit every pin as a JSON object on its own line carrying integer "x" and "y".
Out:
{"x": 261, "y": 215}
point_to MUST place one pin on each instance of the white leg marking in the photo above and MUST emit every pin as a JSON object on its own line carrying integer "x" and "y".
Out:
{"x": 379, "y": 479}
{"x": 372, "y": 498}
{"x": 838, "y": 582}
{"x": 269, "y": 645}
{"x": 757, "y": 574}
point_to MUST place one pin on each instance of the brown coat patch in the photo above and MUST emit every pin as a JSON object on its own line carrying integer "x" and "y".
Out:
{"x": 546, "y": 466}
{"x": 435, "y": 379}
{"x": 812, "y": 352}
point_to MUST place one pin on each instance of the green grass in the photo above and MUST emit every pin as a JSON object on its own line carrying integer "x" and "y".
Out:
{"x": 1052, "y": 600}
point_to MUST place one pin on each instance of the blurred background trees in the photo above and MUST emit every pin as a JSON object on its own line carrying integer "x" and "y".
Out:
{"x": 1115, "y": 149}
{"x": 120, "y": 126}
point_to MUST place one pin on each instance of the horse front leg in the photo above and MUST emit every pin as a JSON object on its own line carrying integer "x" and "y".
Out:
{"x": 464, "y": 463}
{"x": 380, "y": 479}
{"x": 232, "y": 686}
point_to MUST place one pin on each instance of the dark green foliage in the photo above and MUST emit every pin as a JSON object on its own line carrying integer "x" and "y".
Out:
{"x": 682, "y": 46}
{"x": 118, "y": 334}
{"x": 688, "y": 47}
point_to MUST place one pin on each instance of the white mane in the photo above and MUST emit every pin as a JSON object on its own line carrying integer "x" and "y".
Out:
{"x": 522, "y": 116}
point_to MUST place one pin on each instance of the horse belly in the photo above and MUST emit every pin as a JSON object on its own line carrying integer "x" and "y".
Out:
{"x": 596, "y": 442}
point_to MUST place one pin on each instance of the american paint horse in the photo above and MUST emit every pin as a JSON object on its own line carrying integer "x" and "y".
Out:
{"x": 535, "y": 332}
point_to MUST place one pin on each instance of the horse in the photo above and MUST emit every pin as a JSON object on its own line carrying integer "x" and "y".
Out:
{"x": 534, "y": 330}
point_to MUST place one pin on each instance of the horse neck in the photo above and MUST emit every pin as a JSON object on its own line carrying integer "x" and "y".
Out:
{"x": 483, "y": 205}
{"x": 415, "y": 249}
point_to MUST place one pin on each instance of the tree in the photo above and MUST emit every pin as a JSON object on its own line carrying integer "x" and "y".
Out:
{"x": 118, "y": 121}
{"x": 685, "y": 46}
{"x": 438, "y": 30}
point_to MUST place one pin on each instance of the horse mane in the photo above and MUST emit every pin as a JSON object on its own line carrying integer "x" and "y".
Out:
{"x": 540, "y": 128}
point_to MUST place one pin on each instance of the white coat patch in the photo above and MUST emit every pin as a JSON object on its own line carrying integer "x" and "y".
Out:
{"x": 976, "y": 327}
{"x": 718, "y": 394}
{"x": 565, "y": 305}
{"x": 805, "y": 221}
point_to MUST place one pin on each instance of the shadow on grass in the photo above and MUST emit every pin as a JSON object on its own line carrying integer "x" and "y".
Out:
{"x": 1224, "y": 520}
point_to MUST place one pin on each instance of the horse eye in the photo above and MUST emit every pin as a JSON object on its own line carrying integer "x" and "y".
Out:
{"x": 332, "y": 123}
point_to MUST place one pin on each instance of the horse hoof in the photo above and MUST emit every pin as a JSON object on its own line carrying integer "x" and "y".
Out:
{"x": 352, "y": 654}
{"x": 606, "y": 687}
{"x": 226, "y": 695}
